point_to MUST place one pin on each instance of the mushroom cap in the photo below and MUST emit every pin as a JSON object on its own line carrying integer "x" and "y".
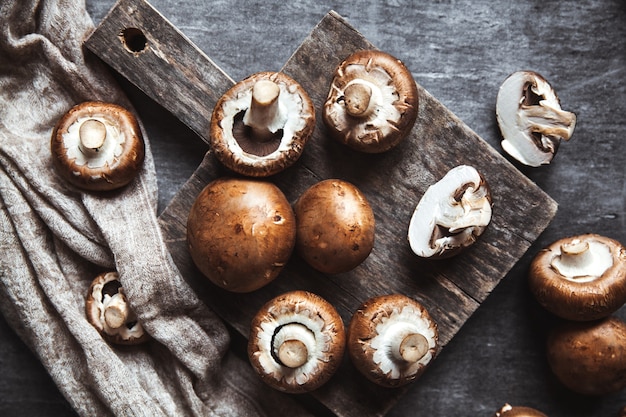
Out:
{"x": 517, "y": 411}
{"x": 110, "y": 166}
{"x": 589, "y": 357}
{"x": 451, "y": 214}
{"x": 231, "y": 141}
{"x": 530, "y": 118}
{"x": 379, "y": 324}
{"x": 584, "y": 286}
{"x": 393, "y": 104}
{"x": 241, "y": 233}
{"x": 335, "y": 226}
{"x": 105, "y": 292}
{"x": 325, "y": 348}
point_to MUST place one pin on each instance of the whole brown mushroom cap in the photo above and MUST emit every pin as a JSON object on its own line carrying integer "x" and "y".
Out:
{"x": 518, "y": 411}
{"x": 580, "y": 277}
{"x": 589, "y": 357}
{"x": 372, "y": 104}
{"x": 97, "y": 146}
{"x": 241, "y": 233}
{"x": 261, "y": 125}
{"x": 392, "y": 339}
{"x": 309, "y": 322}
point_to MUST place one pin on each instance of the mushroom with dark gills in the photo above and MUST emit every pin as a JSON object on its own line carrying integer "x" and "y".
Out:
{"x": 580, "y": 277}
{"x": 372, "y": 104}
{"x": 508, "y": 410}
{"x": 97, "y": 146}
{"x": 392, "y": 339}
{"x": 451, "y": 214}
{"x": 260, "y": 126}
{"x": 107, "y": 309}
{"x": 530, "y": 118}
{"x": 296, "y": 342}
{"x": 241, "y": 233}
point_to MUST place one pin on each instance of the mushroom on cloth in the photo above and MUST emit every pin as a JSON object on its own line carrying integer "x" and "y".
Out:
{"x": 260, "y": 126}
{"x": 372, "y": 104}
{"x": 97, "y": 146}
{"x": 392, "y": 339}
{"x": 296, "y": 342}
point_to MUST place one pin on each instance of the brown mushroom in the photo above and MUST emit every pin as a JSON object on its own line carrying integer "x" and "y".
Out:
{"x": 260, "y": 126}
{"x": 335, "y": 226}
{"x": 241, "y": 233}
{"x": 530, "y": 118}
{"x": 107, "y": 309}
{"x": 589, "y": 357}
{"x": 517, "y": 411}
{"x": 97, "y": 146}
{"x": 580, "y": 277}
{"x": 296, "y": 342}
{"x": 372, "y": 103}
{"x": 451, "y": 214}
{"x": 392, "y": 339}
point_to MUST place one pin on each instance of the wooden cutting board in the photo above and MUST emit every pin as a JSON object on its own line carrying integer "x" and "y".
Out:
{"x": 159, "y": 59}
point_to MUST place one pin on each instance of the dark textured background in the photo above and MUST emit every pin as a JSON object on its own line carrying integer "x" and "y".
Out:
{"x": 460, "y": 52}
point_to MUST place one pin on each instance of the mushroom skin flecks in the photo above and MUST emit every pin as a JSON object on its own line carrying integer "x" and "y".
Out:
{"x": 530, "y": 118}
{"x": 296, "y": 342}
{"x": 392, "y": 339}
{"x": 451, "y": 214}
{"x": 261, "y": 125}
{"x": 97, "y": 146}
{"x": 108, "y": 311}
{"x": 580, "y": 277}
{"x": 372, "y": 103}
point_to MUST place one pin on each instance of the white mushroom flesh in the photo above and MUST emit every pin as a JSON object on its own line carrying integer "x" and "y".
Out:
{"x": 583, "y": 261}
{"x": 390, "y": 333}
{"x": 107, "y": 306}
{"x": 106, "y": 154}
{"x": 296, "y": 320}
{"x": 531, "y": 131}
{"x": 289, "y": 116}
{"x": 451, "y": 214}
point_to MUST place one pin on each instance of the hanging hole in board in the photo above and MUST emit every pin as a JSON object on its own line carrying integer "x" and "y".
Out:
{"x": 133, "y": 40}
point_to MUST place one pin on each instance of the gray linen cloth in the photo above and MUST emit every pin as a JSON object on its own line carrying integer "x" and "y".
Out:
{"x": 54, "y": 239}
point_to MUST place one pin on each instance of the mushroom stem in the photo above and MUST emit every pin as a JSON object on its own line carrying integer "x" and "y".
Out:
{"x": 92, "y": 133}
{"x": 116, "y": 312}
{"x": 357, "y": 99}
{"x": 263, "y": 111}
{"x": 292, "y": 345}
{"x": 549, "y": 121}
{"x": 413, "y": 347}
{"x": 293, "y": 353}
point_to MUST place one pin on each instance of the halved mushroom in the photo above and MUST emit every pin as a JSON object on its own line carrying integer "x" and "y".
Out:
{"x": 260, "y": 126}
{"x": 451, "y": 214}
{"x": 97, "y": 146}
{"x": 580, "y": 277}
{"x": 517, "y": 411}
{"x": 296, "y": 342}
{"x": 392, "y": 339}
{"x": 108, "y": 311}
{"x": 372, "y": 103}
{"x": 589, "y": 357}
{"x": 531, "y": 120}
{"x": 241, "y": 233}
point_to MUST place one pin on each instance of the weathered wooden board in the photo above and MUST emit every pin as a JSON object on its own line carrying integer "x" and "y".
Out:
{"x": 393, "y": 183}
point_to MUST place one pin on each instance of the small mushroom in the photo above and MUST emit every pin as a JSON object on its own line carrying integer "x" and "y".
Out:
{"x": 589, "y": 357}
{"x": 372, "y": 103}
{"x": 241, "y": 233}
{"x": 392, "y": 339}
{"x": 580, "y": 277}
{"x": 297, "y": 341}
{"x": 531, "y": 120}
{"x": 335, "y": 226}
{"x": 517, "y": 411}
{"x": 451, "y": 214}
{"x": 108, "y": 311}
{"x": 97, "y": 146}
{"x": 260, "y": 126}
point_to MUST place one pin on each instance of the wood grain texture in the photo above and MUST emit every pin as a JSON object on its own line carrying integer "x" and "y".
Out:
{"x": 393, "y": 183}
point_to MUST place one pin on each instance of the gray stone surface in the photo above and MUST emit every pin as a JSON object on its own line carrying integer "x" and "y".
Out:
{"x": 460, "y": 52}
